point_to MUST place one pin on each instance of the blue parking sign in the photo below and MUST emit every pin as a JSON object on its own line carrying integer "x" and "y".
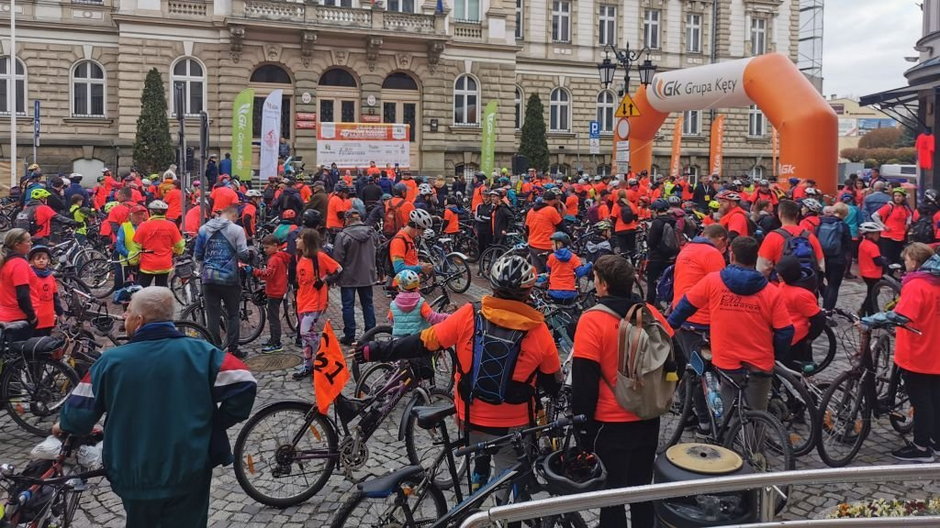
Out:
{"x": 594, "y": 130}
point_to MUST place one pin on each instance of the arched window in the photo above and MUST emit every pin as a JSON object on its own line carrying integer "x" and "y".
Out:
{"x": 466, "y": 97}
{"x": 338, "y": 97}
{"x": 338, "y": 77}
{"x": 605, "y": 110}
{"x": 6, "y": 89}
{"x": 399, "y": 81}
{"x": 87, "y": 89}
{"x": 189, "y": 75}
{"x": 270, "y": 73}
{"x": 520, "y": 108}
{"x": 603, "y": 170}
{"x": 560, "y": 110}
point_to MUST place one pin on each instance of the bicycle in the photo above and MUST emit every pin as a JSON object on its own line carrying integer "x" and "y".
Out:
{"x": 287, "y": 451}
{"x": 251, "y": 312}
{"x": 855, "y": 396}
{"x": 512, "y": 242}
{"x": 450, "y": 266}
{"x": 415, "y": 500}
{"x": 49, "y": 497}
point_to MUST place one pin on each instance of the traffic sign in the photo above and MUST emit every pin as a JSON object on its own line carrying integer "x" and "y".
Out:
{"x": 627, "y": 108}
{"x": 623, "y": 128}
{"x": 595, "y": 145}
{"x": 594, "y": 130}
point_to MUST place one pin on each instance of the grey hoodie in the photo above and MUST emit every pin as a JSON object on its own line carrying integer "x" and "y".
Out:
{"x": 354, "y": 249}
{"x": 220, "y": 244}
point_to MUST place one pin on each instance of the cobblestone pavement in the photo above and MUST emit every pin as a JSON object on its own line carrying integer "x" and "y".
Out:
{"x": 231, "y": 507}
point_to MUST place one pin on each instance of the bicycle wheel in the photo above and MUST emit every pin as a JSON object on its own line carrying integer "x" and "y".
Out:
{"x": 902, "y": 412}
{"x": 425, "y": 445}
{"x": 886, "y": 294}
{"x": 34, "y": 391}
{"x": 376, "y": 333}
{"x": 251, "y": 318}
{"x": 194, "y": 330}
{"x": 844, "y": 420}
{"x": 185, "y": 291}
{"x": 824, "y": 349}
{"x": 98, "y": 277}
{"x": 457, "y": 269}
{"x": 86, "y": 254}
{"x": 883, "y": 364}
{"x": 290, "y": 309}
{"x": 487, "y": 258}
{"x": 372, "y": 379}
{"x": 285, "y": 453}
{"x": 424, "y": 508}
{"x": 469, "y": 246}
{"x": 444, "y": 363}
{"x": 792, "y": 404}
{"x": 762, "y": 442}
{"x": 672, "y": 423}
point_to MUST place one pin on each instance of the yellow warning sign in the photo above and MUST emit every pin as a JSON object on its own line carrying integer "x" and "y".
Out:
{"x": 627, "y": 108}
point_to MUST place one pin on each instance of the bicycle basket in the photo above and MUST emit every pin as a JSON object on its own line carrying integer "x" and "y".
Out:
{"x": 185, "y": 268}
{"x": 103, "y": 323}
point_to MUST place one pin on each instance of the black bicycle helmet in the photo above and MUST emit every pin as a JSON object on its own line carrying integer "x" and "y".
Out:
{"x": 561, "y": 236}
{"x": 512, "y": 277}
{"x": 674, "y": 201}
{"x": 39, "y": 249}
{"x": 659, "y": 205}
{"x": 571, "y": 470}
{"x": 311, "y": 218}
{"x": 399, "y": 189}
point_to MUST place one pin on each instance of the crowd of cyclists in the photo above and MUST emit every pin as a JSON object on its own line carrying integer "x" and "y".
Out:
{"x": 707, "y": 257}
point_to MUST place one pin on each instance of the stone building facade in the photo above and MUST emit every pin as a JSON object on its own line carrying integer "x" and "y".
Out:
{"x": 427, "y": 63}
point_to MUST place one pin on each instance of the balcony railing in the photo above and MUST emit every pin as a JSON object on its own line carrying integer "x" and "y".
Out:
{"x": 184, "y": 8}
{"x": 309, "y": 12}
{"x": 468, "y": 31}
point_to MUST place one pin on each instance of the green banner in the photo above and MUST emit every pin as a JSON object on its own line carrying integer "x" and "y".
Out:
{"x": 241, "y": 134}
{"x": 488, "y": 142}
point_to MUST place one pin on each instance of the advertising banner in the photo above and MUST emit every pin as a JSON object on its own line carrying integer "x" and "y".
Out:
{"x": 488, "y": 139}
{"x": 676, "y": 148}
{"x": 354, "y": 145}
{"x": 717, "y": 145}
{"x": 242, "y": 110}
{"x": 270, "y": 134}
{"x": 709, "y": 86}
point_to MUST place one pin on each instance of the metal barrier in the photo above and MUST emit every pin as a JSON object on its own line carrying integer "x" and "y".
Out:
{"x": 650, "y": 492}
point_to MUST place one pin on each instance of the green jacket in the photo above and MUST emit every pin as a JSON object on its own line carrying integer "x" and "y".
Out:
{"x": 169, "y": 400}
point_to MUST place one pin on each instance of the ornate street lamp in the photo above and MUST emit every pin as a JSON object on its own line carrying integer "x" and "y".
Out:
{"x": 626, "y": 58}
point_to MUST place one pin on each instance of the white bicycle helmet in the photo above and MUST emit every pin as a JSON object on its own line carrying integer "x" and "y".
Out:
{"x": 420, "y": 219}
{"x": 513, "y": 276}
{"x": 158, "y": 205}
{"x": 424, "y": 188}
{"x": 812, "y": 205}
{"x": 253, "y": 193}
{"x": 870, "y": 227}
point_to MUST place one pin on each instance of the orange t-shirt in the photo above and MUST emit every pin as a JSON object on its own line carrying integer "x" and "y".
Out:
{"x": 810, "y": 223}
{"x": 538, "y": 353}
{"x": 222, "y": 197}
{"x": 541, "y": 224}
{"x": 403, "y": 209}
{"x": 603, "y": 212}
{"x": 868, "y": 251}
{"x": 695, "y": 261}
{"x": 920, "y": 302}
{"x": 562, "y": 275}
{"x": 412, "y": 192}
{"x": 335, "y": 208}
{"x": 309, "y": 299}
{"x": 451, "y": 222}
{"x": 42, "y": 292}
{"x": 477, "y": 197}
{"x": 15, "y": 272}
{"x": 731, "y": 313}
{"x": 160, "y": 236}
{"x": 571, "y": 205}
{"x": 402, "y": 247}
{"x": 735, "y": 220}
{"x": 43, "y": 216}
{"x": 801, "y": 304}
{"x": 174, "y": 198}
{"x": 305, "y": 192}
{"x": 772, "y": 247}
{"x": 192, "y": 221}
{"x": 619, "y": 224}
{"x": 895, "y": 218}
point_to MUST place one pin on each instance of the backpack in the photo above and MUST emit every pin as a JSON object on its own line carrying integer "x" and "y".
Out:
{"x": 923, "y": 230}
{"x": 495, "y": 353}
{"x": 830, "y": 237}
{"x": 800, "y": 247}
{"x": 390, "y": 223}
{"x": 670, "y": 239}
{"x": 626, "y": 213}
{"x": 665, "y": 287}
{"x": 26, "y": 219}
{"x": 751, "y": 226}
{"x": 593, "y": 214}
{"x": 646, "y": 368}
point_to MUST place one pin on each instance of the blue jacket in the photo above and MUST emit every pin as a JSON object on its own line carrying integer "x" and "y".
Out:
{"x": 225, "y": 166}
{"x": 872, "y": 203}
{"x": 73, "y": 189}
{"x": 220, "y": 244}
{"x": 169, "y": 400}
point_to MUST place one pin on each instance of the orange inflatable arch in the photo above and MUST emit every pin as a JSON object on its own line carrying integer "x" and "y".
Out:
{"x": 807, "y": 126}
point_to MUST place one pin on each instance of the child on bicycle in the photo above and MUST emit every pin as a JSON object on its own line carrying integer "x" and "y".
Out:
{"x": 80, "y": 214}
{"x": 564, "y": 270}
{"x": 274, "y": 276}
{"x": 43, "y": 291}
{"x": 871, "y": 264}
{"x": 314, "y": 269}
{"x": 805, "y": 314}
{"x": 409, "y": 313}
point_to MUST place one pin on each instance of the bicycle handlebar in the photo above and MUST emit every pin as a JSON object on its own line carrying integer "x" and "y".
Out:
{"x": 560, "y": 423}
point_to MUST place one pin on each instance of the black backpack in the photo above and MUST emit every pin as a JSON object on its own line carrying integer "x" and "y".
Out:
{"x": 923, "y": 230}
{"x": 495, "y": 353}
{"x": 26, "y": 219}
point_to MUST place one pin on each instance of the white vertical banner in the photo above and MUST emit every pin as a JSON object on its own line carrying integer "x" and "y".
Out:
{"x": 270, "y": 134}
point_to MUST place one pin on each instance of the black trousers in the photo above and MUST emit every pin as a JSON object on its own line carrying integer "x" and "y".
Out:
{"x": 274, "y": 319}
{"x": 868, "y": 305}
{"x": 891, "y": 249}
{"x": 627, "y": 450}
{"x": 158, "y": 279}
{"x": 216, "y": 296}
{"x": 924, "y": 391}
{"x": 654, "y": 270}
{"x": 835, "y": 272}
{"x": 626, "y": 241}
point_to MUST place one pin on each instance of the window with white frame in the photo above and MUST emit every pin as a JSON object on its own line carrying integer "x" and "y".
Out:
{"x": 466, "y": 100}
{"x": 87, "y": 89}
{"x": 651, "y": 28}
{"x": 561, "y": 21}
{"x": 692, "y": 171}
{"x": 560, "y": 111}
{"x": 520, "y": 30}
{"x": 605, "y": 110}
{"x": 693, "y": 33}
{"x": 758, "y": 36}
{"x": 7, "y": 78}
{"x": 401, "y": 6}
{"x": 467, "y": 10}
{"x": 189, "y": 74}
{"x": 607, "y": 25}
{"x": 692, "y": 123}
{"x": 756, "y": 122}
{"x": 757, "y": 173}
{"x": 520, "y": 108}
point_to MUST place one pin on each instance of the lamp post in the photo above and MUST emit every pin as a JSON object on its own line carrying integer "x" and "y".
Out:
{"x": 626, "y": 58}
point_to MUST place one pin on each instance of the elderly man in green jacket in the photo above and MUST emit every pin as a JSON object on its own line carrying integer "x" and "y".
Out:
{"x": 169, "y": 399}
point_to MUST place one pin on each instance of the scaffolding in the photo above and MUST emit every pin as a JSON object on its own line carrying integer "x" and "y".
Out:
{"x": 810, "y": 54}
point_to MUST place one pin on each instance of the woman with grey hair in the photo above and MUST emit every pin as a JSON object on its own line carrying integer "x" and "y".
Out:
{"x": 15, "y": 280}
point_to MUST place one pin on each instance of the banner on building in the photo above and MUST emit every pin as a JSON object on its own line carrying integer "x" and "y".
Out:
{"x": 242, "y": 111}
{"x": 270, "y": 134}
{"x": 354, "y": 145}
{"x": 717, "y": 144}
{"x": 674, "y": 168}
{"x": 488, "y": 140}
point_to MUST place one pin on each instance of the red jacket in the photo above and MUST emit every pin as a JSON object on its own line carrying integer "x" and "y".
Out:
{"x": 275, "y": 275}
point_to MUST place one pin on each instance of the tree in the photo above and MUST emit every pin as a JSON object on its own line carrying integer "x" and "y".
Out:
{"x": 881, "y": 138}
{"x": 533, "y": 144}
{"x": 153, "y": 150}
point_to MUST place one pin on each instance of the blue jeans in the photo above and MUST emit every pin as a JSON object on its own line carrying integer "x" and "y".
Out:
{"x": 349, "y": 304}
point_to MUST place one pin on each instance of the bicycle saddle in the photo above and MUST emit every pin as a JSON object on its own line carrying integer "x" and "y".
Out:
{"x": 428, "y": 417}
{"x": 381, "y": 487}
{"x": 14, "y": 325}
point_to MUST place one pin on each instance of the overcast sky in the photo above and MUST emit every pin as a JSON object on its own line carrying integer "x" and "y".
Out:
{"x": 865, "y": 42}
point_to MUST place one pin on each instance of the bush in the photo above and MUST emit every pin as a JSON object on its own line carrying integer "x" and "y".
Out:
{"x": 881, "y": 138}
{"x": 907, "y": 155}
{"x": 853, "y": 154}
{"x": 871, "y": 163}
